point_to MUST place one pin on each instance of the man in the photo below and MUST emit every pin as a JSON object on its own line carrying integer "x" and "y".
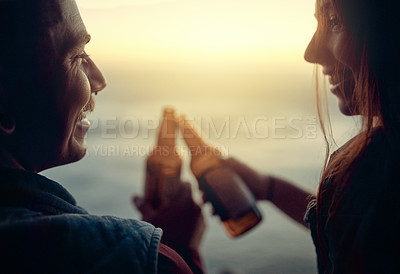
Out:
{"x": 47, "y": 82}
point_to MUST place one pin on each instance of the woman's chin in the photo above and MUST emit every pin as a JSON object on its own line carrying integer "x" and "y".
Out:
{"x": 345, "y": 109}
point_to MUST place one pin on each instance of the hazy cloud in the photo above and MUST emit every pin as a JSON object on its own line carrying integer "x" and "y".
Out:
{"x": 105, "y": 4}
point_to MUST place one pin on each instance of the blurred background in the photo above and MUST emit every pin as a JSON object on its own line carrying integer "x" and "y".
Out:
{"x": 236, "y": 69}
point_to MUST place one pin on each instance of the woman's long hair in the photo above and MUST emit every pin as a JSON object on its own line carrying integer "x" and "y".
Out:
{"x": 374, "y": 47}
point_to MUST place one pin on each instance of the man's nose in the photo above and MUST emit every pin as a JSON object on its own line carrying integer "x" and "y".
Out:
{"x": 96, "y": 78}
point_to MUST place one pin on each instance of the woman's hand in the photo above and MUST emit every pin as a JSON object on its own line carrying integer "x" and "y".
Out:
{"x": 181, "y": 220}
{"x": 288, "y": 197}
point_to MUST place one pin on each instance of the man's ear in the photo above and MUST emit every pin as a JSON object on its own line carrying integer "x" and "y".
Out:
{"x": 7, "y": 123}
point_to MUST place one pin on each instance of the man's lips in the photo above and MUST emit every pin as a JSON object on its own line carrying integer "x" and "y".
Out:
{"x": 82, "y": 127}
{"x": 81, "y": 116}
{"x": 84, "y": 123}
{"x": 89, "y": 107}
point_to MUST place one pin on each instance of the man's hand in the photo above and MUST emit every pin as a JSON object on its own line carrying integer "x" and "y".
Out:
{"x": 181, "y": 220}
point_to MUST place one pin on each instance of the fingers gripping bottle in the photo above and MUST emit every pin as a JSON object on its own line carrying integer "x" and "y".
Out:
{"x": 229, "y": 195}
{"x": 163, "y": 164}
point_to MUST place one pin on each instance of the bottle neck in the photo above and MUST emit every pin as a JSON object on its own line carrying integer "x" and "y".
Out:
{"x": 167, "y": 131}
{"x": 203, "y": 163}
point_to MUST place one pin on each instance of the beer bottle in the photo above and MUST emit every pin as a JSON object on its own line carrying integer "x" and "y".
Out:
{"x": 222, "y": 186}
{"x": 163, "y": 164}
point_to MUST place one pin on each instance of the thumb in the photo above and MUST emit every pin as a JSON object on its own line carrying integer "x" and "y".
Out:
{"x": 140, "y": 203}
{"x": 144, "y": 207}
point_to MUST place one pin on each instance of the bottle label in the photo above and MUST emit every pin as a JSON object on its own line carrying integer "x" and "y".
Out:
{"x": 227, "y": 193}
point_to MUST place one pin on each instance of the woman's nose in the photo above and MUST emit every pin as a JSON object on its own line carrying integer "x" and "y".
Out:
{"x": 317, "y": 52}
{"x": 310, "y": 55}
{"x": 96, "y": 78}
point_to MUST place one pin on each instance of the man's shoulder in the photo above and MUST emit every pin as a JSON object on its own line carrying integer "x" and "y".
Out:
{"x": 80, "y": 227}
{"x": 87, "y": 241}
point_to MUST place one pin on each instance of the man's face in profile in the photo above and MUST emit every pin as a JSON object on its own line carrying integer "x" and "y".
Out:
{"x": 66, "y": 78}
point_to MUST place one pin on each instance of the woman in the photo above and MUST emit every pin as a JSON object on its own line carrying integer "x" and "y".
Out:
{"x": 354, "y": 219}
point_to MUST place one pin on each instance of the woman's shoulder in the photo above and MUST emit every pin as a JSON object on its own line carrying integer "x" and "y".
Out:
{"x": 378, "y": 156}
{"x": 378, "y": 152}
{"x": 368, "y": 172}
{"x": 375, "y": 172}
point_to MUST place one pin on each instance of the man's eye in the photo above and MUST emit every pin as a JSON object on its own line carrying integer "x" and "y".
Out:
{"x": 334, "y": 23}
{"x": 83, "y": 57}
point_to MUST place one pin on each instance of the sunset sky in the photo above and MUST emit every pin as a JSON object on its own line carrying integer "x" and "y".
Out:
{"x": 212, "y": 57}
{"x": 182, "y": 31}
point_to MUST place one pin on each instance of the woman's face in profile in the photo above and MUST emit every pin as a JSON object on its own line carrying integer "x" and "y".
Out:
{"x": 69, "y": 77}
{"x": 332, "y": 52}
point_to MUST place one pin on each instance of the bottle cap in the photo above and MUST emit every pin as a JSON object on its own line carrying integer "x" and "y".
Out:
{"x": 167, "y": 131}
